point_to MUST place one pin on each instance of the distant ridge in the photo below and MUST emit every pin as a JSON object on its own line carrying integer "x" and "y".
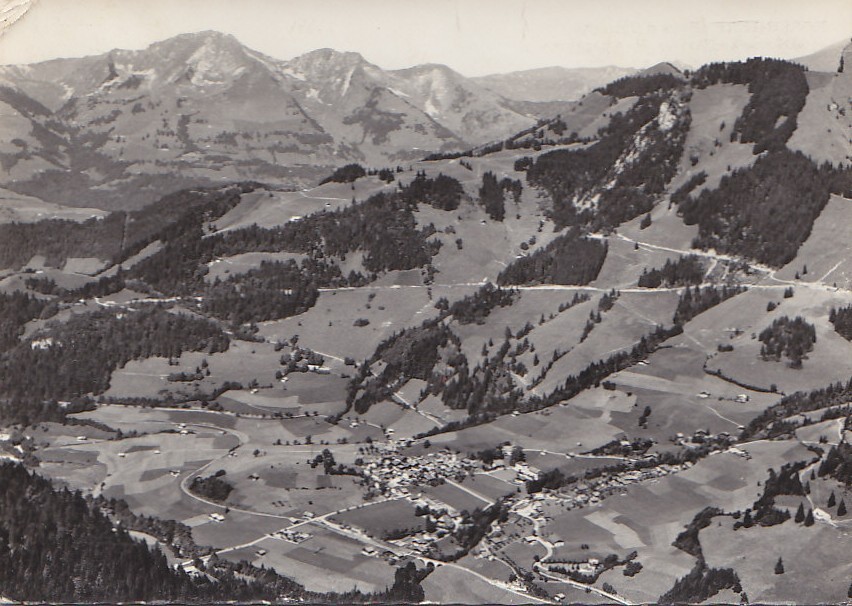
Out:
{"x": 552, "y": 83}
{"x": 827, "y": 59}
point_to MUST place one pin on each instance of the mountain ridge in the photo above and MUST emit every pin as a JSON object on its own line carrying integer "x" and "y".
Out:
{"x": 182, "y": 102}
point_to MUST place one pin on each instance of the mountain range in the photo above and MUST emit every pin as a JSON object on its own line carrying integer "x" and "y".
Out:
{"x": 204, "y": 108}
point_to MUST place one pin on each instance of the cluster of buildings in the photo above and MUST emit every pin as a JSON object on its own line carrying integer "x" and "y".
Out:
{"x": 441, "y": 521}
{"x": 392, "y": 473}
{"x": 594, "y": 491}
{"x": 293, "y": 536}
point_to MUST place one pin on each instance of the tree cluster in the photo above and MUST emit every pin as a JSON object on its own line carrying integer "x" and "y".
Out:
{"x": 785, "y": 337}
{"x": 687, "y": 270}
{"x": 473, "y": 527}
{"x": 837, "y": 464}
{"x": 275, "y": 290}
{"x": 56, "y": 546}
{"x": 770, "y": 422}
{"x": 701, "y": 584}
{"x": 473, "y": 309}
{"x": 569, "y": 259}
{"x": 841, "y": 319}
{"x": 765, "y": 211}
{"x": 53, "y": 547}
{"x": 442, "y": 192}
{"x": 212, "y": 487}
{"x": 410, "y": 354}
{"x": 491, "y": 194}
{"x": 346, "y": 174}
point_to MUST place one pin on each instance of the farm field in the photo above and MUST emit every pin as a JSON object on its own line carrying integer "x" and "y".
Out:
{"x": 381, "y": 519}
{"x": 324, "y": 562}
{"x": 449, "y": 584}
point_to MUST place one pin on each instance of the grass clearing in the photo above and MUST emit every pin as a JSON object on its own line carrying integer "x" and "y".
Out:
{"x": 380, "y": 519}
{"x": 325, "y": 562}
{"x": 450, "y": 584}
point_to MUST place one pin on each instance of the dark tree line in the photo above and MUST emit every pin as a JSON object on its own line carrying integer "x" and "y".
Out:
{"x": 569, "y": 259}
{"x": 556, "y": 478}
{"x": 346, "y": 174}
{"x": 638, "y": 86}
{"x": 695, "y": 301}
{"x": 486, "y": 389}
{"x": 687, "y": 270}
{"x": 597, "y": 371}
{"x": 701, "y": 584}
{"x": 784, "y": 482}
{"x": 117, "y": 236}
{"x": 473, "y": 309}
{"x": 473, "y": 527}
{"x": 78, "y": 356}
{"x": 383, "y": 227}
{"x": 491, "y": 197}
{"x": 688, "y": 541}
{"x": 766, "y": 211}
{"x": 770, "y": 422}
{"x": 620, "y": 204}
{"x": 682, "y": 192}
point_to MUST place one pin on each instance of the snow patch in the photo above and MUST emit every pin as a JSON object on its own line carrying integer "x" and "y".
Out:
{"x": 298, "y": 75}
{"x": 347, "y": 81}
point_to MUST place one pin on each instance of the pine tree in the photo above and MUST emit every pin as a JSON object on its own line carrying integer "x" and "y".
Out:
{"x": 841, "y": 509}
{"x": 800, "y": 514}
{"x": 779, "y": 566}
{"x": 809, "y": 519}
{"x": 832, "y": 501}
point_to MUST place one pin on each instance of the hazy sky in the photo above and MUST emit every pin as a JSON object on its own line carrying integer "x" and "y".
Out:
{"x": 474, "y": 37}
